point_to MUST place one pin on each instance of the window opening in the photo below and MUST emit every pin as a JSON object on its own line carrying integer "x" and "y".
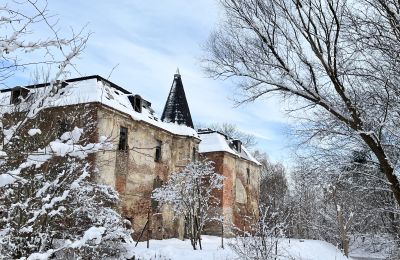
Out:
{"x": 157, "y": 157}
{"x": 194, "y": 154}
{"x": 137, "y": 104}
{"x": 237, "y": 144}
{"x": 123, "y": 139}
{"x": 18, "y": 94}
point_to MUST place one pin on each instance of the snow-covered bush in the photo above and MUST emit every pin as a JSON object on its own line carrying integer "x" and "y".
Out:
{"x": 191, "y": 194}
{"x": 50, "y": 205}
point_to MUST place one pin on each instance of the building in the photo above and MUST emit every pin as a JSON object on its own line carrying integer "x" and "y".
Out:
{"x": 147, "y": 149}
{"x": 240, "y": 193}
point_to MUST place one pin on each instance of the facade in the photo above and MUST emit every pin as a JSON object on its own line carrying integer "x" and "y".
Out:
{"x": 241, "y": 185}
{"x": 147, "y": 149}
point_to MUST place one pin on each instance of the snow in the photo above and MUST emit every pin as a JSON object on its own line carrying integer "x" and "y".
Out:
{"x": 93, "y": 233}
{"x": 74, "y": 135}
{"x": 216, "y": 142}
{"x": 377, "y": 247}
{"x": 176, "y": 249}
{"x": 34, "y": 131}
{"x": 40, "y": 256}
{"x": 6, "y": 179}
{"x": 67, "y": 145}
{"x": 93, "y": 90}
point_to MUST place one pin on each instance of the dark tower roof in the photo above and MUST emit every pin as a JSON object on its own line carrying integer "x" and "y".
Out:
{"x": 176, "y": 108}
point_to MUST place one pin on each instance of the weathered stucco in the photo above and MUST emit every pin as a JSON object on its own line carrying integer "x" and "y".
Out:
{"x": 134, "y": 172}
{"x": 239, "y": 196}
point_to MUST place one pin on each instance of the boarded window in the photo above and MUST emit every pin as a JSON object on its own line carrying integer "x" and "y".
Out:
{"x": 157, "y": 156}
{"x": 248, "y": 175}
{"x": 123, "y": 139}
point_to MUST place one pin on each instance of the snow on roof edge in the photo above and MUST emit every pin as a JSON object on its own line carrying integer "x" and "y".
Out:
{"x": 214, "y": 141}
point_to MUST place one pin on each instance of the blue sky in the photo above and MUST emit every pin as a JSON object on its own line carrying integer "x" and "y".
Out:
{"x": 148, "y": 40}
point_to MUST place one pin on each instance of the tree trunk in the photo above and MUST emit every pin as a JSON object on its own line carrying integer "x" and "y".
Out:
{"x": 385, "y": 165}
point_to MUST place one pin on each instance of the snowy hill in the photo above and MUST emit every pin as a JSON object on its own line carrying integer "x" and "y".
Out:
{"x": 176, "y": 249}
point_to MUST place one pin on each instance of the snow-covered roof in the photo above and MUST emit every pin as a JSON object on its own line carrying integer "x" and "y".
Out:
{"x": 93, "y": 89}
{"x": 213, "y": 141}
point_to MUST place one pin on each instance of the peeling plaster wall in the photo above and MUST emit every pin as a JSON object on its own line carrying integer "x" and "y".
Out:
{"x": 133, "y": 172}
{"x": 240, "y": 195}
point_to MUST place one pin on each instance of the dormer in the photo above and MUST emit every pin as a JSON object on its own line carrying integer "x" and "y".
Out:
{"x": 137, "y": 103}
{"x": 59, "y": 84}
{"x": 237, "y": 145}
{"x": 17, "y": 94}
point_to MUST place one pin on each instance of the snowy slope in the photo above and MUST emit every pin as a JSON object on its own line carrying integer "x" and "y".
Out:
{"x": 176, "y": 249}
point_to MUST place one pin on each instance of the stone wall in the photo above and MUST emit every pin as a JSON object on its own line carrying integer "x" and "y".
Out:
{"x": 134, "y": 172}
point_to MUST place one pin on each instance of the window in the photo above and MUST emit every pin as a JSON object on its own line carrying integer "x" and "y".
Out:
{"x": 194, "y": 154}
{"x": 248, "y": 175}
{"x": 237, "y": 145}
{"x": 137, "y": 104}
{"x": 157, "y": 157}
{"x": 123, "y": 139}
{"x": 17, "y": 94}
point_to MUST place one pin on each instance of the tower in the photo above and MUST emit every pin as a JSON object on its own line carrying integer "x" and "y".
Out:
{"x": 176, "y": 108}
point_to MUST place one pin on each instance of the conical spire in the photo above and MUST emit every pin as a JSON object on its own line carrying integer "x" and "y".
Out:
{"x": 176, "y": 108}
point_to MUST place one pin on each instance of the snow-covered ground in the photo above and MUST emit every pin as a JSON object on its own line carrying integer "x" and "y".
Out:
{"x": 374, "y": 247}
{"x": 175, "y": 249}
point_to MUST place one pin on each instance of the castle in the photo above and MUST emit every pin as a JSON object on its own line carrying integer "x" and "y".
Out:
{"x": 147, "y": 149}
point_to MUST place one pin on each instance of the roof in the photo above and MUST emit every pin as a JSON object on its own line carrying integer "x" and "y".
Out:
{"x": 214, "y": 141}
{"x": 176, "y": 108}
{"x": 95, "y": 89}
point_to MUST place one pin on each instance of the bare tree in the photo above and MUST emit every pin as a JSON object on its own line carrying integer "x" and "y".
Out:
{"x": 274, "y": 201}
{"x": 30, "y": 39}
{"x": 339, "y": 59}
{"x": 263, "y": 244}
{"x": 344, "y": 201}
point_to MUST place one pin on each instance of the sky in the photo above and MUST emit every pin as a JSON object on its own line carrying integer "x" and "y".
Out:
{"x": 140, "y": 44}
